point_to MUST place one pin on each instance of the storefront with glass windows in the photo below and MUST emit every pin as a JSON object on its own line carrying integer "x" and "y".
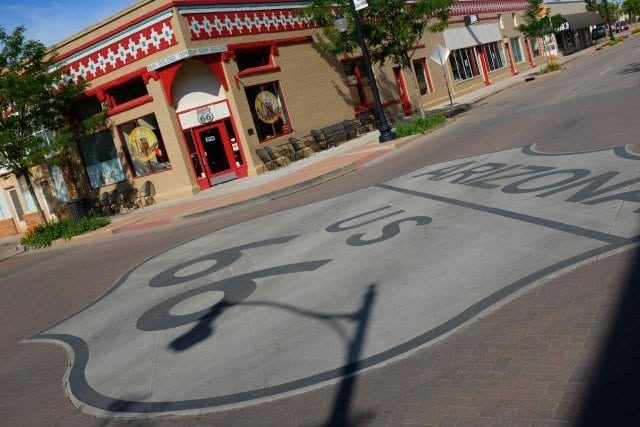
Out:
{"x": 192, "y": 91}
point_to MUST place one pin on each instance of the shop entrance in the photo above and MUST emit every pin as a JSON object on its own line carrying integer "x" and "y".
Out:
{"x": 215, "y": 154}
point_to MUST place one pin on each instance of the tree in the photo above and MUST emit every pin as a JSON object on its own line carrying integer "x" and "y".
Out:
{"x": 391, "y": 28}
{"x": 632, "y": 7}
{"x": 35, "y": 96}
{"x": 539, "y": 24}
{"x": 611, "y": 7}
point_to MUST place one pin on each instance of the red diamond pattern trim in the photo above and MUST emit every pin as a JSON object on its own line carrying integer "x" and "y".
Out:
{"x": 124, "y": 51}
{"x": 229, "y": 24}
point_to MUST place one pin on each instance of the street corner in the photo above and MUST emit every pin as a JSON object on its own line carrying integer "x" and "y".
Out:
{"x": 291, "y": 301}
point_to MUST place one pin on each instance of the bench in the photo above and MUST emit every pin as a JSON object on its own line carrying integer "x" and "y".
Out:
{"x": 331, "y": 135}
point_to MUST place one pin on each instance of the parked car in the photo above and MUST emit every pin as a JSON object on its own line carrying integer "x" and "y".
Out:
{"x": 598, "y": 33}
{"x": 622, "y": 26}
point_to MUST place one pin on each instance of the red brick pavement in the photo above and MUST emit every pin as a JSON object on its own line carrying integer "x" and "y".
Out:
{"x": 526, "y": 363}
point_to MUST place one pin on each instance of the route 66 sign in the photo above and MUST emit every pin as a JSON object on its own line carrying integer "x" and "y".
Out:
{"x": 205, "y": 115}
{"x": 271, "y": 306}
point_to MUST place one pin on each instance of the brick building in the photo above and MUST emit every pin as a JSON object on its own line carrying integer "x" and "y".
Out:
{"x": 194, "y": 87}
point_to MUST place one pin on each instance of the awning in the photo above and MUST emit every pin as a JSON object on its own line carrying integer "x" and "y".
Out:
{"x": 471, "y": 35}
{"x": 582, "y": 20}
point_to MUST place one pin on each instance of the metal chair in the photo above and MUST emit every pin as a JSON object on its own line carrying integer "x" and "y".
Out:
{"x": 146, "y": 194}
{"x": 298, "y": 148}
{"x": 115, "y": 201}
{"x": 275, "y": 157}
{"x": 265, "y": 158}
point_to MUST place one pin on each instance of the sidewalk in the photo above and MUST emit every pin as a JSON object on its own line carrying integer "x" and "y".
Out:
{"x": 300, "y": 175}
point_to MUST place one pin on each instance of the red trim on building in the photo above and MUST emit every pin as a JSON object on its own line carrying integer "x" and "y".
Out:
{"x": 130, "y": 105}
{"x": 529, "y": 52}
{"x": 484, "y": 65}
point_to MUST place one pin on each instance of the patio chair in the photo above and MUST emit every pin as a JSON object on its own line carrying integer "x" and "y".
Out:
{"x": 146, "y": 194}
{"x": 319, "y": 140}
{"x": 278, "y": 158}
{"x": 298, "y": 148}
{"x": 103, "y": 204}
{"x": 350, "y": 128}
{"x": 115, "y": 201}
{"x": 269, "y": 163}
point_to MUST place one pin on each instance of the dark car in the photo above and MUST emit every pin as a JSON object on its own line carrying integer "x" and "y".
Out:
{"x": 598, "y": 33}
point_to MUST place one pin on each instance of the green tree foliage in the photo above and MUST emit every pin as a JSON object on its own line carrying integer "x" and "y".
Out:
{"x": 538, "y": 23}
{"x": 35, "y": 96}
{"x": 632, "y": 7}
{"x": 612, "y": 7}
{"x": 391, "y": 28}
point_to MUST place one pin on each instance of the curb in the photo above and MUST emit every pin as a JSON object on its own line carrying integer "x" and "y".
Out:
{"x": 276, "y": 194}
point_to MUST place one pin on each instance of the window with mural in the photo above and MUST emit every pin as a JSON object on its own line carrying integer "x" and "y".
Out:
{"x": 145, "y": 147}
{"x": 101, "y": 160}
{"x": 516, "y": 51}
{"x": 269, "y": 112}
{"x": 421, "y": 75}
{"x": 495, "y": 56}
{"x": 464, "y": 64}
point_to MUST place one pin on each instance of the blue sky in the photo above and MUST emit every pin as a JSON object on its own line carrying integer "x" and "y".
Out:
{"x": 51, "y": 21}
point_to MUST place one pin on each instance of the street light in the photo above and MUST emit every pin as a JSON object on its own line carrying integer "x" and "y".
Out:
{"x": 386, "y": 133}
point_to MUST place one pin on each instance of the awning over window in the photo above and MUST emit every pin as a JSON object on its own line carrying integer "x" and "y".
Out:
{"x": 472, "y": 35}
{"x": 582, "y": 20}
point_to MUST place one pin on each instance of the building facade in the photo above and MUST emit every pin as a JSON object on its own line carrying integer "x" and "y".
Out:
{"x": 193, "y": 88}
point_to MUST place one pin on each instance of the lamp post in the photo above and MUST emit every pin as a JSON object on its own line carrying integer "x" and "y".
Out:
{"x": 606, "y": 11}
{"x": 386, "y": 133}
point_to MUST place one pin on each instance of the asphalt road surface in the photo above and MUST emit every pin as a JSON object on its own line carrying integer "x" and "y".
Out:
{"x": 273, "y": 309}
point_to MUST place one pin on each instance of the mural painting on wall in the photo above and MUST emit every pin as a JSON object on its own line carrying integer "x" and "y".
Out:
{"x": 268, "y": 107}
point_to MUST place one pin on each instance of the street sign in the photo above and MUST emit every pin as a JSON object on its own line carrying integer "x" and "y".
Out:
{"x": 204, "y": 115}
{"x": 440, "y": 55}
{"x": 360, "y": 4}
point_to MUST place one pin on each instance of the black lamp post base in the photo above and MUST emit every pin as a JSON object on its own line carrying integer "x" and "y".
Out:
{"x": 386, "y": 134}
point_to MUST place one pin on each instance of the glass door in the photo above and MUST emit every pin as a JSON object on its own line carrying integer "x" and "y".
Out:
{"x": 218, "y": 158}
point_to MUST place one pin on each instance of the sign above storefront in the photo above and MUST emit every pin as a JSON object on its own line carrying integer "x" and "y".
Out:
{"x": 203, "y": 115}
{"x": 189, "y": 53}
{"x": 471, "y": 19}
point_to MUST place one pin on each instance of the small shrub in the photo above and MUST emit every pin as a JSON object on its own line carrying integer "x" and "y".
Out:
{"x": 421, "y": 125}
{"x": 39, "y": 236}
{"x": 614, "y": 41}
{"x": 635, "y": 31}
{"x": 551, "y": 67}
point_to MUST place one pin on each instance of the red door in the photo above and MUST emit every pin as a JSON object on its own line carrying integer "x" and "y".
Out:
{"x": 402, "y": 90}
{"x": 216, "y": 154}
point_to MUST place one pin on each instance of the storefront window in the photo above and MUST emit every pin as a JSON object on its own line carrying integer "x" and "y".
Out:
{"x": 535, "y": 46}
{"x": 463, "y": 64}
{"x": 421, "y": 76}
{"x": 101, "y": 159}
{"x": 4, "y": 206}
{"x": 516, "y": 51}
{"x": 30, "y": 205}
{"x": 253, "y": 58}
{"x": 495, "y": 56}
{"x": 269, "y": 112}
{"x": 358, "y": 83}
{"x": 145, "y": 146}
{"x": 128, "y": 91}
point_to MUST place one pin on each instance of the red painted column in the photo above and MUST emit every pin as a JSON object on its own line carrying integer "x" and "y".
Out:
{"x": 484, "y": 65}
{"x": 512, "y": 64}
{"x": 529, "y": 53}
